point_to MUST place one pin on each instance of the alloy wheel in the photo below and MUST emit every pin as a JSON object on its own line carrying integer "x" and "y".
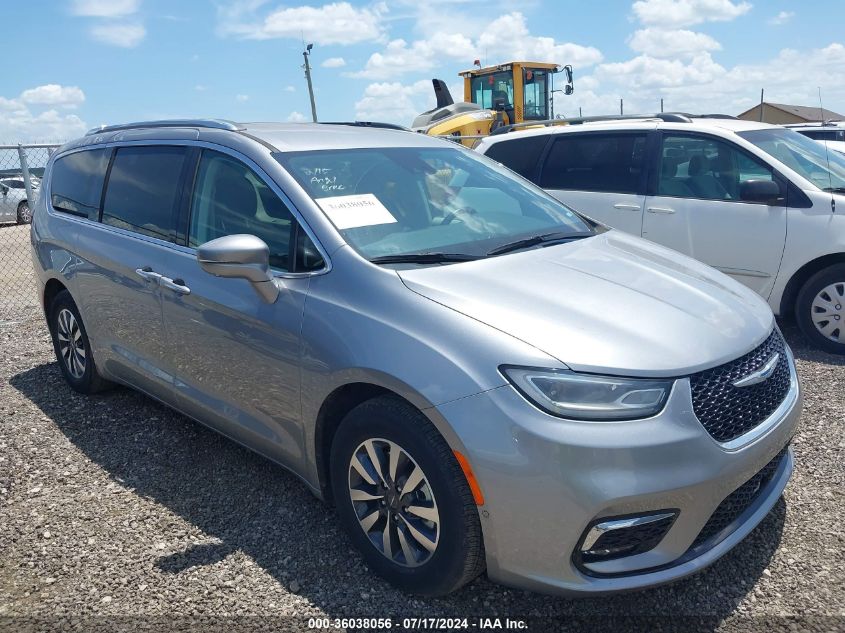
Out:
{"x": 828, "y": 312}
{"x": 24, "y": 213}
{"x": 394, "y": 502}
{"x": 71, "y": 343}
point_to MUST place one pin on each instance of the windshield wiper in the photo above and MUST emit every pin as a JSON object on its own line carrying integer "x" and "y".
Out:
{"x": 424, "y": 258}
{"x": 834, "y": 189}
{"x": 534, "y": 240}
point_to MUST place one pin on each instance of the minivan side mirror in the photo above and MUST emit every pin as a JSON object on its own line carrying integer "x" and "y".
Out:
{"x": 764, "y": 191}
{"x": 243, "y": 257}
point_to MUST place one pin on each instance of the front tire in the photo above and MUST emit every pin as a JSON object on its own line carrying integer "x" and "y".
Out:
{"x": 24, "y": 213}
{"x": 820, "y": 309}
{"x": 403, "y": 499}
{"x": 73, "y": 350}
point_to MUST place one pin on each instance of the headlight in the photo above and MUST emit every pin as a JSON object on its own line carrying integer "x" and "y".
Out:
{"x": 588, "y": 397}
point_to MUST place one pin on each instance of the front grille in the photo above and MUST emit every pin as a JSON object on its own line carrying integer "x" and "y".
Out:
{"x": 727, "y": 411}
{"x": 739, "y": 500}
{"x": 628, "y": 541}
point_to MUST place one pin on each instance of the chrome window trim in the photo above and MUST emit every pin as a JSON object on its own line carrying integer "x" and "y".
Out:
{"x": 297, "y": 214}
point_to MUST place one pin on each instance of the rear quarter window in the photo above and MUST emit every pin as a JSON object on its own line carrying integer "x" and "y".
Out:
{"x": 76, "y": 184}
{"x": 520, "y": 155}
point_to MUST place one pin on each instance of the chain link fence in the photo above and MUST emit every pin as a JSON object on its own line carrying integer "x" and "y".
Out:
{"x": 21, "y": 170}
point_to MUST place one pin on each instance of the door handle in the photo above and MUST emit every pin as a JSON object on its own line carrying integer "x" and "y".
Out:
{"x": 176, "y": 285}
{"x": 660, "y": 210}
{"x": 147, "y": 273}
{"x": 627, "y": 207}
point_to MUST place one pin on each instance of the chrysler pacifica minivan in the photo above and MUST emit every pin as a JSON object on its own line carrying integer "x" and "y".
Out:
{"x": 475, "y": 375}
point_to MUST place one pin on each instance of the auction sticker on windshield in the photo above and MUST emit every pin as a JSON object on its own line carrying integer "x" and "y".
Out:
{"x": 350, "y": 212}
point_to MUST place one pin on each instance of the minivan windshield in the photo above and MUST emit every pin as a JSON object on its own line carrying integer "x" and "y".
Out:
{"x": 805, "y": 156}
{"x": 413, "y": 201}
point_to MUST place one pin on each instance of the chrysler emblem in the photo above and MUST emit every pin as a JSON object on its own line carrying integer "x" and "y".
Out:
{"x": 760, "y": 375}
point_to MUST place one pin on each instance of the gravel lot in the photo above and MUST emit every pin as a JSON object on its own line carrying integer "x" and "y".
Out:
{"x": 114, "y": 505}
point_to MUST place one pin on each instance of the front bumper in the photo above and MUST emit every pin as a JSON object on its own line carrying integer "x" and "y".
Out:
{"x": 546, "y": 480}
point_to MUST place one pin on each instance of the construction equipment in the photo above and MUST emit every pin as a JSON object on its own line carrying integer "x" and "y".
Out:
{"x": 495, "y": 96}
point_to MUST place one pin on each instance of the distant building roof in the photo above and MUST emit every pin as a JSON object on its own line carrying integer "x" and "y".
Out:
{"x": 808, "y": 113}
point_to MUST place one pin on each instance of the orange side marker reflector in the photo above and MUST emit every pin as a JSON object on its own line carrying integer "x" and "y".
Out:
{"x": 471, "y": 480}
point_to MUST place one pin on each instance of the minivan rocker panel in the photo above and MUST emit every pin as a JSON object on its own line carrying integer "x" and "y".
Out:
{"x": 610, "y": 304}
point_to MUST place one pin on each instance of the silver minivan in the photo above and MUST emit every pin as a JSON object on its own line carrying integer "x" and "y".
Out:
{"x": 475, "y": 375}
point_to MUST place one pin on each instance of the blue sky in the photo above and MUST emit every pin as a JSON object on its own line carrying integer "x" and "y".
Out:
{"x": 79, "y": 63}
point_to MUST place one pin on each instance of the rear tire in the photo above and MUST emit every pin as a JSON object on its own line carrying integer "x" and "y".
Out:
{"x": 73, "y": 350}
{"x": 820, "y": 309}
{"x": 24, "y": 213}
{"x": 433, "y": 556}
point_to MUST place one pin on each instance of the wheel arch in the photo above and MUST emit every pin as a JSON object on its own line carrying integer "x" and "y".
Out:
{"x": 51, "y": 289}
{"x": 346, "y": 397}
{"x": 334, "y": 408}
{"x": 799, "y": 278}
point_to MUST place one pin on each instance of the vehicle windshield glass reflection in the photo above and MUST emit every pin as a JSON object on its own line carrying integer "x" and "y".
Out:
{"x": 394, "y": 201}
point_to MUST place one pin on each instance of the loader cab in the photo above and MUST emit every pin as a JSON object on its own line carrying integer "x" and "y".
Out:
{"x": 520, "y": 89}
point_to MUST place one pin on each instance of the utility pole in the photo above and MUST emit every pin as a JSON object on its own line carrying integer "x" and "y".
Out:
{"x": 305, "y": 55}
{"x": 621, "y": 108}
{"x": 661, "y": 104}
{"x": 762, "y": 103}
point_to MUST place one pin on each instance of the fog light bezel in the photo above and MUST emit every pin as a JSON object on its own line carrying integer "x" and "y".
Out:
{"x": 593, "y": 533}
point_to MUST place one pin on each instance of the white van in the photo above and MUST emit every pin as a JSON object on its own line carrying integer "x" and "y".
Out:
{"x": 759, "y": 202}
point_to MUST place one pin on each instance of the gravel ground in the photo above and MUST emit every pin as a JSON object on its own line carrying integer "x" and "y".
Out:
{"x": 116, "y": 506}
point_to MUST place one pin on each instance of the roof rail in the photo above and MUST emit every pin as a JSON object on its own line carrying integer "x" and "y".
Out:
{"x": 217, "y": 124}
{"x": 669, "y": 117}
{"x": 376, "y": 124}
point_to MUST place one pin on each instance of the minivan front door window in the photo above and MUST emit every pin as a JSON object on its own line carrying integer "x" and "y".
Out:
{"x": 705, "y": 168}
{"x": 809, "y": 159}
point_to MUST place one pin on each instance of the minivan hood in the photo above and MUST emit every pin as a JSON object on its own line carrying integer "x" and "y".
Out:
{"x": 612, "y": 303}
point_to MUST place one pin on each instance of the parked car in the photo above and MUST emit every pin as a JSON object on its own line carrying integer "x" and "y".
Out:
{"x": 472, "y": 372}
{"x": 831, "y": 134}
{"x": 14, "y": 206}
{"x": 758, "y": 202}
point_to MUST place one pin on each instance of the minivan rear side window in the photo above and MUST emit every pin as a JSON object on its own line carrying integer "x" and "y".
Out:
{"x": 520, "y": 154}
{"x": 595, "y": 162}
{"x": 76, "y": 183}
{"x": 143, "y": 190}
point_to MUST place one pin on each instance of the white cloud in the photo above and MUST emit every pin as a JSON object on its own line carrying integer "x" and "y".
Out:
{"x": 394, "y": 102}
{"x": 507, "y": 35}
{"x": 54, "y": 95}
{"x": 241, "y": 98}
{"x": 20, "y": 124}
{"x": 104, "y": 8}
{"x": 677, "y": 13}
{"x": 335, "y": 23}
{"x": 334, "y": 62}
{"x": 658, "y": 42}
{"x": 290, "y": 88}
{"x": 702, "y": 85}
{"x": 296, "y": 117}
{"x": 510, "y": 38}
{"x": 200, "y": 87}
{"x": 125, "y": 35}
{"x": 782, "y": 18}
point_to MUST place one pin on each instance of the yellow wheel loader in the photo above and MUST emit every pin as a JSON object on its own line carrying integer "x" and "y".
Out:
{"x": 495, "y": 96}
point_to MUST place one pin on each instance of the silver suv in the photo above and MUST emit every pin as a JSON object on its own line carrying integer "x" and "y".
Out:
{"x": 473, "y": 373}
